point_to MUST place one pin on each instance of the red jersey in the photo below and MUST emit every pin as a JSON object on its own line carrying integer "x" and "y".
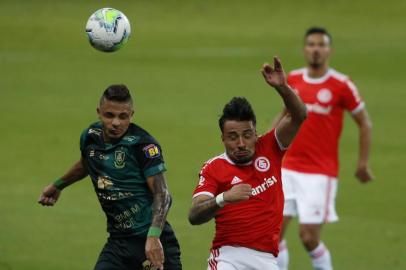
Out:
{"x": 255, "y": 223}
{"x": 315, "y": 148}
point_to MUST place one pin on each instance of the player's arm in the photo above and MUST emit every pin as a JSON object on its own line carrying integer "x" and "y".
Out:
{"x": 289, "y": 125}
{"x": 51, "y": 193}
{"x": 204, "y": 207}
{"x": 279, "y": 118}
{"x": 363, "y": 172}
{"x": 160, "y": 208}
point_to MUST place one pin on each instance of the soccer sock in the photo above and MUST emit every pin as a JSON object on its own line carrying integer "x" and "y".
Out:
{"x": 283, "y": 256}
{"x": 321, "y": 258}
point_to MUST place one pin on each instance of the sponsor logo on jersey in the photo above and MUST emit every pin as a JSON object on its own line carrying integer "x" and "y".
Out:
{"x": 119, "y": 156}
{"x": 129, "y": 138}
{"x": 151, "y": 151}
{"x": 103, "y": 157}
{"x": 104, "y": 183}
{"x": 91, "y": 153}
{"x": 114, "y": 196}
{"x": 94, "y": 131}
{"x": 147, "y": 265}
{"x": 316, "y": 108}
{"x": 235, "y": 180}
{"x": 268, "y": 182}
{"x": 262, "y": 164}
{"x": 324, "y": 95}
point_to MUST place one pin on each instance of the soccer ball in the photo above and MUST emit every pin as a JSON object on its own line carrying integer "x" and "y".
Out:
{"x": 108, "y": 29}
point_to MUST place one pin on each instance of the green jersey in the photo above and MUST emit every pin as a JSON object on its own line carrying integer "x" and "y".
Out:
{"x": 118, "y": 172}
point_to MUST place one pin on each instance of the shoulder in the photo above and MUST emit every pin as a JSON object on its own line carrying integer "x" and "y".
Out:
{"x": 342, "y": 79}
{"x": 143, "y": 136}
{"x": 94, "y": 131}
{"x": 214, "y": 162}
{"x": 297, "y": 72}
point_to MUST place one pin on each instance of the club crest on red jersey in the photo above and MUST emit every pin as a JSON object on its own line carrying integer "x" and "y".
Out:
{"x": 262, "y": 164}
{"x": 324, "y": 95}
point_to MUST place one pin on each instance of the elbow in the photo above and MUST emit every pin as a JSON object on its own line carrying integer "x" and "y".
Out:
{"x": 192, "y": 220}
{"x": 302, "y": 115}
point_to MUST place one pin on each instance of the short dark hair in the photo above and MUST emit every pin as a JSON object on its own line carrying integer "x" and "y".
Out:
{"x": 318, "y": 30}
{"x": 238, "y": 109}
{"x": 117, "y": 92}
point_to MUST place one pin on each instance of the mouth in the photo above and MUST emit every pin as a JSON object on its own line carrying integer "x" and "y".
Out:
{"x": 115, "y": 132}
{"x": 242, "y": 154}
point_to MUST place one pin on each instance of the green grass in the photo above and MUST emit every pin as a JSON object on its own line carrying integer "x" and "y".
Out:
{"x": 184, "y": 60}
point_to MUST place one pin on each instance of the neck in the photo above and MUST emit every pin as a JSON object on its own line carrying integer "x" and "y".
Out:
{"x": 317, "y": 72}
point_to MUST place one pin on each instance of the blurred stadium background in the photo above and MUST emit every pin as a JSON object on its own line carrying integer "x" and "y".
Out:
{"x": 184, "y": 60}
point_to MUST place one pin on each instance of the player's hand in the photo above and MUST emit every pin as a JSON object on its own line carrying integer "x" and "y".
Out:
{"x": 49, "y": 195}
{"x": 274, "y": 76}
{"x": 238, "y": 193}
{"x": 155, "y": 252}
{"x": 364, "y": 174}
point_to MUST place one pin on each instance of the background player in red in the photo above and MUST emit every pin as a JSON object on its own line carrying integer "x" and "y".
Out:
{"x": 242, "y": 188}
{"x": 310, "y": 166}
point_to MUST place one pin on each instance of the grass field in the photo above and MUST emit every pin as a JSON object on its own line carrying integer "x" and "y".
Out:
{"x": 184, "y": 60}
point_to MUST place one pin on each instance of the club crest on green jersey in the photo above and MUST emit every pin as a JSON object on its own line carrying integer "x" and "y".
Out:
{"x": 119, "y": 156}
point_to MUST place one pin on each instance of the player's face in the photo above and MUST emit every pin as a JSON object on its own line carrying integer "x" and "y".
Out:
{"x": 115, "y": 117}
{"x": 239, "y": 139}
{"x": 317, "y": 49}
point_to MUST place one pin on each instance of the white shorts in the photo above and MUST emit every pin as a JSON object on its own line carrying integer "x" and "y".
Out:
{"x": 240, "y": 258}
{"x": 309, "y": 196}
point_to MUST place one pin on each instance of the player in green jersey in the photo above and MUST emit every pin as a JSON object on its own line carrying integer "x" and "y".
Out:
{"x": 126, "y": 167}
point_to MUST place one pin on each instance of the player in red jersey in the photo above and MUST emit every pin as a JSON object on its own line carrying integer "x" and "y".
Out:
{"x": 242, "y": 188}
{"x": 310, "y": 166}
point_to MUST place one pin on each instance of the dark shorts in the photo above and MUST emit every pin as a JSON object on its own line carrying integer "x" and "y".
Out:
{"x": 129, "y": 253}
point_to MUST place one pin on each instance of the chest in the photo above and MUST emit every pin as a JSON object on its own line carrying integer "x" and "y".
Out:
{"x": 324, "y": 94}
{"x": 117, "y": 161}
{"x": 261, "y": 174}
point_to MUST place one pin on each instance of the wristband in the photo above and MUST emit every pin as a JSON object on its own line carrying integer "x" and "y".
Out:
{"x": 220, "y": 200}
{"x": 59, "y": 184}
{"x": 154, "y": 232}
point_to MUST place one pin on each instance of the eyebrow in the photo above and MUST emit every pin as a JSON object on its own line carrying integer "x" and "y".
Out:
{"x": 244, "y": 131}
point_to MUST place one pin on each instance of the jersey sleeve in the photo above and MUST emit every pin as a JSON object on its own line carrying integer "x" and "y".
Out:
{"x": 82, "y": 142}
{"x": 351, "y": 99}
{"x": 150, "y": 159}
{"x": 207, "y": 183}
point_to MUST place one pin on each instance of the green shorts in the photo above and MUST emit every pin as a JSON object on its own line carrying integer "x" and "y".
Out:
{"x": 129, "y": 253}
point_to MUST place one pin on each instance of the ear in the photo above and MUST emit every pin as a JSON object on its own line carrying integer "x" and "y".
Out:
{"x": 132, "y": 113}
{"x": 98, "y": 111}
{"x": 222, "y": 137}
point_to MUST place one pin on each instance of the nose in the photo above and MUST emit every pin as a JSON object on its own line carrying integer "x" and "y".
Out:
{"x": 116, "y": 122}
{"x": 241, "y": 142}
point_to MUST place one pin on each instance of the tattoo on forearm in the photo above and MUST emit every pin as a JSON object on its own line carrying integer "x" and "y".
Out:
{"x": 162, "y": 201}
{"x": 203, "y": 211}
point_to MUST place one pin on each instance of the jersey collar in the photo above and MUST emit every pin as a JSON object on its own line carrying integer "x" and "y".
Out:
{"x": 225, "y": 156}
{"x": 319, "y": 80}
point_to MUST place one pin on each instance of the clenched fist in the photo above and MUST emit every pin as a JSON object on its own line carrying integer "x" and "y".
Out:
{"x": 238, "y": 193}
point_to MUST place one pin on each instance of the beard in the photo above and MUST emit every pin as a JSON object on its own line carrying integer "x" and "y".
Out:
{"x": 243, "y": 160}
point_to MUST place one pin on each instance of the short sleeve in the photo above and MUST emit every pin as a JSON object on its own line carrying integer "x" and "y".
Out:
{"x": 207, "y": 183}
{"x": 352, "y": 101}
{"x": 150, "y": 159}
{"x": 82, "y": 142}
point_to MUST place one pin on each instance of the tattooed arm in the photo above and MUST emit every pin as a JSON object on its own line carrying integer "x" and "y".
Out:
{"x": 205, "y": 207}
{"x": 160, "y": 208}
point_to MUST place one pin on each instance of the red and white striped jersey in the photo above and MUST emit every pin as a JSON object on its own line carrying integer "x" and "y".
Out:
{"x": 255, "y": 223}
{"x": 315, "y": 148}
